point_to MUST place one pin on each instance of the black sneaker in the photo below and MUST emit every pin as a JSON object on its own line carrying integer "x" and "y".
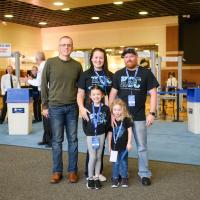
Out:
{"x": 42, "y": 143}
{"x": 124, "y": 182}
{"x": 115, "y": 183}
{"x": 146, "y": 181}
{"x": 97, "y": 184}
{"x": 90, "y": 184}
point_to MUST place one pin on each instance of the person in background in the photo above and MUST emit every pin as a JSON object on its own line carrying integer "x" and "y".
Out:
{"x": 131, "y": 84}
{"x": 97, "y": 74}
{"x": 171, "y": 82}
{"x": 8, "y": 81}
{"x": 36, "y": 96}
{"x": 96, "y": 129}
{"x": 120, "y": 141}
{"x": 59, "y": 91}
{"x": 36, "y": 82}
{"x": 145, "y": 63}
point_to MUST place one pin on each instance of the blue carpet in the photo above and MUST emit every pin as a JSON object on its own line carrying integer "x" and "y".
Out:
{"x": 167, "y": 141}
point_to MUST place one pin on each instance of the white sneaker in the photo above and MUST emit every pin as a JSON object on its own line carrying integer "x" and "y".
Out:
{"x": 102, "y": 178}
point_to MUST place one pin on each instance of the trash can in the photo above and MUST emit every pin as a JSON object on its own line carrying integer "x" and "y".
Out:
{"x": 193, "y": 110}
{"x": 19, "y": 112}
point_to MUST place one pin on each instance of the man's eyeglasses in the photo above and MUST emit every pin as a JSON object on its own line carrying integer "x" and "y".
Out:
{"x": 65, "y": 45}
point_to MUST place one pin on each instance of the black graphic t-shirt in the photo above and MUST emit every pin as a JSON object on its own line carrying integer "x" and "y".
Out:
{"x": 103, "y": 125}
{"x": 90, "y": 78}
{"x": 123, "y": 135}
{"x": 138, "y": 86}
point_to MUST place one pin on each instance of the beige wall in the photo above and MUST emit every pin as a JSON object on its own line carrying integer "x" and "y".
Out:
{"x": 28, "y": 40}
{"x": 112, "y": 34}
{"x": 25, "y": 39}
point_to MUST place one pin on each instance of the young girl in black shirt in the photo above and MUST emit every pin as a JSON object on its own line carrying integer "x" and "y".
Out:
{"x": 120, "y": 142}
{"x": 95, "y": 130}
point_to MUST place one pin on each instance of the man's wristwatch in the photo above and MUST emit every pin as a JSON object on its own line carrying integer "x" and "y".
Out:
{"x": 152, "y": 113}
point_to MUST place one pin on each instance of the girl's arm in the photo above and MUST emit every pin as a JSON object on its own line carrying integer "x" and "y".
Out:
{"x": 130, "y": 135}
{"x": 109, "y": 140}
{"x": 80, "y": 101}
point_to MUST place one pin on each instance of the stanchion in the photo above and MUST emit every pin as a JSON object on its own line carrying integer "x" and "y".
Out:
{"x": 177, "y": 108}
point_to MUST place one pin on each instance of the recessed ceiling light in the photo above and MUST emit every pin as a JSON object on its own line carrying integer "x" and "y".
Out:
{"x": 4, "y": 23}
{"x": 143, "y": 12}
{"x": 58, "y": 3}
{"x": 42, "y": 23}
{"x": 157, "y": 44}
{"x": 118, "y": 2}
{"x": 95, "y": 18}
{"x": 65, "y": 9}
{"x": 8, "y": 16}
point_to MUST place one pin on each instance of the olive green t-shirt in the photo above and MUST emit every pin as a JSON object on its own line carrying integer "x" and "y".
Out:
{"x": 59, "y": 82}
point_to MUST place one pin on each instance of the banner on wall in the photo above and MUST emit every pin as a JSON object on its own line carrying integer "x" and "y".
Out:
{"x": 5, "y": 50}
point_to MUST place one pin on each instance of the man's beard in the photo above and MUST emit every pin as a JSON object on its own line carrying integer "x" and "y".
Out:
{"x": 131, "y": 65}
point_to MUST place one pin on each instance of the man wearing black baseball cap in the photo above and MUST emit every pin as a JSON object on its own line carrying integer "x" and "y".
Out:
{"x": 129, "y": 50}
{"x": 131, "y": 84}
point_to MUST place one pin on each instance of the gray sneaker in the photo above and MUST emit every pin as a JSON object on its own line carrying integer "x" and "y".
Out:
{"x": 115, "y": 183}
{"x": 124, "y": 182}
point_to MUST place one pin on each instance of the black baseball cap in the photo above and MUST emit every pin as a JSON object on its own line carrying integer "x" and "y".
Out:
{"x": 129, "y": 50}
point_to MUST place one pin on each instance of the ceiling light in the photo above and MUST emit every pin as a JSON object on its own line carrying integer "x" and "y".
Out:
{"x": 157, "y": 44}
{"x": 8, "y": 16}
{"x": 65, "y": 9}
{"x": 42, "y": 23}
{"x": 58, "y": 3}
{"x": 118, "y": 2}
{"x": 121, "y": 46}
{"x": 143, "y": 12}
{"x": 108, "y": 50}
{"x": 95, "y": 18}
{"x": 186, "y": 16}
{"x": 4, "y": 23}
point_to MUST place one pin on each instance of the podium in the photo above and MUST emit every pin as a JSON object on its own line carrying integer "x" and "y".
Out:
{"x": 193, "y": 110}
{"x": 19, "y": 111}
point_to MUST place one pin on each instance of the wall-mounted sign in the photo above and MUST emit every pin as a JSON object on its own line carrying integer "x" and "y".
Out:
{"x": 5, "y": 50}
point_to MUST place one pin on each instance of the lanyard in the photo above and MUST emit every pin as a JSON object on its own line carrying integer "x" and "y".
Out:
{"x": 136, "y": 71}
{"x": 102, "y": 81}
{"x": 96, "y": 117}
{"x": 116, "y": 134}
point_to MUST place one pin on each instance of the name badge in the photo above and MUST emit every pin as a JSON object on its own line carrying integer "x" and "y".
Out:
{"x": 95, "y": 143}
{"x": 113, "y": 156}
{"x": 131, "y": 100}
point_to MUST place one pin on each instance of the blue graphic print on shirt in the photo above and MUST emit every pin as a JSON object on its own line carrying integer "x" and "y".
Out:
{"x": 130, "y": 82}
{"x": 95, "y": 81}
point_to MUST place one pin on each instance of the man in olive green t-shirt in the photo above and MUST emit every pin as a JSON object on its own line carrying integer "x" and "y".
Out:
{"x": 59, "y": 91}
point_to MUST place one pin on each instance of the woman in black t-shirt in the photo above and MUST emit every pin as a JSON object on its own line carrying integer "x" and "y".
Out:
{"x": 120, "y": 142}
{"x": 98, "y": 74}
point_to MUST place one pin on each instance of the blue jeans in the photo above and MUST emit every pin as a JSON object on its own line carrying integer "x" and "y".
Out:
{"x": 64, "y": 117}
{"x": 121, "y": 166}
{"x": 140, "y": 135}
